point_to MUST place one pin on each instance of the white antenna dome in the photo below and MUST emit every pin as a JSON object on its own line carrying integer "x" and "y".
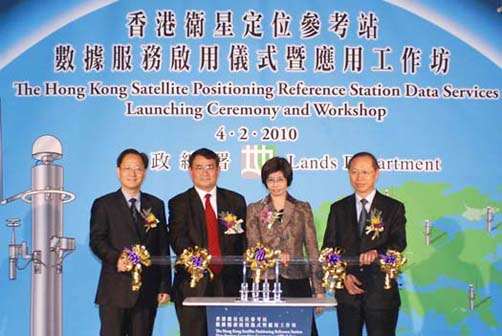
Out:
{"x": 47, "y": 148}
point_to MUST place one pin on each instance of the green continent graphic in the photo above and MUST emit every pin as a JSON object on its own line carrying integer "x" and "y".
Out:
{"x": 461, "y": 252}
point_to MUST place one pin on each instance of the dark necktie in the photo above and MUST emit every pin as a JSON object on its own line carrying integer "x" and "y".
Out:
{"x": 213, "y": 239}
{"x": 363, "y": 216}
{"x": 134, "y": 211}
{"x": 136, "y": 217}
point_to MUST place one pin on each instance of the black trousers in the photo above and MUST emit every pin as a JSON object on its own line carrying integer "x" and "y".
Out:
{"x": 136, "y": 321}
{"x": 193, "y": 320}
{"x": 379, "y": 322}
{"x": 298, "y": 288}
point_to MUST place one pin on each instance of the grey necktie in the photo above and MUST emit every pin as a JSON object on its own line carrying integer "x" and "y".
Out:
{"x": 363, "y": 216}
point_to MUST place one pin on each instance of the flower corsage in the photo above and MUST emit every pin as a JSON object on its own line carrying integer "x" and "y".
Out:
{"x": 150, "y": 220}
{"x": 376, "y": 224}
{"x": 271, "y": 217}
{"x": 231, "y": 223}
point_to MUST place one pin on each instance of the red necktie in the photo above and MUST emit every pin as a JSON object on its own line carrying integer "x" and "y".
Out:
{"x": 213, "y": 239}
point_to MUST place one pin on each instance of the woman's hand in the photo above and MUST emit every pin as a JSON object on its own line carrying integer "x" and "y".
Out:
{"x": 319, "y": 310}
{"x": 285, "y": 258}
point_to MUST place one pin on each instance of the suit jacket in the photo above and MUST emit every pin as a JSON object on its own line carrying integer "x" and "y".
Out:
{"x": 292, "y": 235}
{"x": 342, "y": 231}
{"x": 187, "y": 227}
{"x": 112, "y": 230}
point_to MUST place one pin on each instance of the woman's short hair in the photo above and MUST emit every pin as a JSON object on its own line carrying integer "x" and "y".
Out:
{"x": 276, "y": 164}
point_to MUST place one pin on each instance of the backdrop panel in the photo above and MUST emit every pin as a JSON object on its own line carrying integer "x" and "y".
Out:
{"x": 418, "y": 83}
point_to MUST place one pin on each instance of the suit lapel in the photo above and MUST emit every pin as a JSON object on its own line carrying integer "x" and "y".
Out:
{"x": 376, "y": 204}
{"x": 289, "y": 209}
{"x": 223, "y": 206}
{"x": 379, "y": 204}
{"x": 352, "y": 213}
{"x": 199, "y": 218}
{"x": 265, "y": 203}
{"x": 125, "y": 211}
{"x": 145, "y": 205}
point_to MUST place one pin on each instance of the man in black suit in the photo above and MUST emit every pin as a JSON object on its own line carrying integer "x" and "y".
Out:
{"x": 364, "y": 299}
{"x": 118, "y": 221}
{"x": 190, "y": 226}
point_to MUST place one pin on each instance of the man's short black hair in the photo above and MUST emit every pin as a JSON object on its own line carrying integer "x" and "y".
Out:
{"x": 276, "y": 164}
{"x": 368, "y": 154}
{"x": 143, "y": 156}
{"x": 205, "y": 152}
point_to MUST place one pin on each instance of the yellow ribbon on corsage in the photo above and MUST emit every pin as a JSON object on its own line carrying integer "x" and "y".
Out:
{"x": 150, "y": 220}
{"x": 135, "y": 257}
{"x": 333, "y": 267}
{"x": 260, "y": 258}
{"x": 376, "y": 224}
{"x": 391, "y": 263}
{"x": 196, "y": 262}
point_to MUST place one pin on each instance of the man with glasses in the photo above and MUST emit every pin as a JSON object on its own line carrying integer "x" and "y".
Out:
{"x": 197, "y": 218}
{"x": 120, "y": 220}
{"x": 365, "y": 225}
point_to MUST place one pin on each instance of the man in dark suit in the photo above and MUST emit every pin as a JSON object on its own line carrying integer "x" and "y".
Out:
{"x": 118, "y": 221}
{"x": 366, "y": 224}
{"x": 190, "y": 226}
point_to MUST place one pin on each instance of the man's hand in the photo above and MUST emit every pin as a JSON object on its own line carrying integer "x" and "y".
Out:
{"x": 368, "y": 257}
{"x": 121, "y": 265}
{"x": 163, "y": 298}
{"x": 352, "y": 284}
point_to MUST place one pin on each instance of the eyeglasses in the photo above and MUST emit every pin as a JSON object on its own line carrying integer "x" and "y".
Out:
{"x": 136, "y": 170}
{"x": 200, "y": 168}
{"x": 363, "y": 173}
{"x": 276, "y": 180}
